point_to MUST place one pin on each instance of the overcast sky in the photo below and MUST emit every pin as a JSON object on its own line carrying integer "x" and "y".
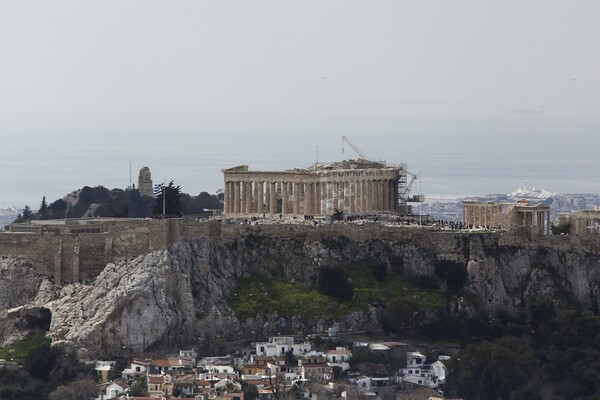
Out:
{"x": 111, "y": 72}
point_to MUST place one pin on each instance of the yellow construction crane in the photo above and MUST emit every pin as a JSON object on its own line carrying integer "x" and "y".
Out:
{"x": 355, "y": 147}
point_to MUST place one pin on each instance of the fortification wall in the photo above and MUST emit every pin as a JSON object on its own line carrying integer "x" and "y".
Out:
{"x": 70, "y": 257}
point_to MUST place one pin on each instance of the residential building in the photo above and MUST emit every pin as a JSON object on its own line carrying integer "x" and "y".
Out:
{"x": 339, "y": 357}
{"x": 111, "y": 390}
{"x": 160, "y": 385}
{"x": 279, "y": 345}
{"x": 417, "y": 371}
{"x": 369, "y": 384}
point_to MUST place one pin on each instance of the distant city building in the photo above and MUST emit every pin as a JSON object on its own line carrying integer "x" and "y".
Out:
{"x": 507, "y": 215}
{"x": 145, "y": 182}
{"x": 353, "y": 186}
{"x": 583, "y": 222}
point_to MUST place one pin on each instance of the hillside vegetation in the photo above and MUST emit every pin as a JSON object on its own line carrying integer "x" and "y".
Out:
{"x": 99, "y": 201}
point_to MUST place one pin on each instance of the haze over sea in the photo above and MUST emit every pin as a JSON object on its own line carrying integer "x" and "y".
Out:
{"x": 488, "y": 159}
{"x": 477, "y": 97}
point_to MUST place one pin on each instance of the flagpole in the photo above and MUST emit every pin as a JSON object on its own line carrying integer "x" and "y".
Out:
{"x": 164, "y": 199}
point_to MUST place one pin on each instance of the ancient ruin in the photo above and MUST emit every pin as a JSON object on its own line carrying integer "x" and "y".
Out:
{"x": 145, "y": 182}
{"x": 353, "y": 186}
{"x": 491, "y": 215}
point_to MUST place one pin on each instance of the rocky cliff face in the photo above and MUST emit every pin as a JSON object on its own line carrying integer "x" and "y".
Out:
{"x": 179, "y": 295}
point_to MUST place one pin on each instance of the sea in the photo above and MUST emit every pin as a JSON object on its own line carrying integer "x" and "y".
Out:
{"x": 449, "y": 166}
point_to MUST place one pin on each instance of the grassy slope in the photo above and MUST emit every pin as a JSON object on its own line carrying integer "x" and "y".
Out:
{"x": 259, "y": 294}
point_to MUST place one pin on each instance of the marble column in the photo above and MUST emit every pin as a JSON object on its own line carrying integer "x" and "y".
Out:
{"x": 391, "y": 206}
{"x": 267, "y": 197}
{"x": 296, "y": 207}
{"x": 347, "y": 195}
{"x": 385, "y": 185}
{"x": 272, "y": 198}
{"x": 255, "y": 196}
{"x": 358, "y": 196}
{"x": 380, "y": 195}
{"x": 335, "y": 191}
{"x": 248, "y": 196}
{"x": 230, "y": 200}
{"x": 373, "y": 193}
{"x": 260, "y": 203}
{"x": 226, "y": 202}
{"x": 318, "y": 198}
{"x": 309, "y": 195}
{"x": 284, "y": 198}
{"x": 396, "y": 195}
{"x": 236, "y": 197}
{"x": 341, "y": 196}
{"x": 352, "y": 196}
{"x": 365, "y": 196}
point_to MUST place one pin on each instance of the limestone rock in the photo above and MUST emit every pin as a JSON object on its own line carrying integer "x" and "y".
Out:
{"x": 20, "y": 282}
{"x": 179, "y": 295}
{"x": 17, "y": 322}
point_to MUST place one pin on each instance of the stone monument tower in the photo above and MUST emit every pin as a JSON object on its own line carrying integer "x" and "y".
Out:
{"x": 145, "y": 182}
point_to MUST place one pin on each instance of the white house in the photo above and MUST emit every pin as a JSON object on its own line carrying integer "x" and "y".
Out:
{"x": 111, "y": 391}
{"x": 420, "y": 373}
{"x": 139, "y": 366}
{"x": 368, "y": 384}
{"x": 221, "y": 369}
{"x": 339, "y": 357}
{"x": 279, "y": 345}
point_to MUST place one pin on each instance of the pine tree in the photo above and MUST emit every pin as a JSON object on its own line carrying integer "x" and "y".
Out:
{"x": 43, "y": 208}
{"x": 27, "y": 213}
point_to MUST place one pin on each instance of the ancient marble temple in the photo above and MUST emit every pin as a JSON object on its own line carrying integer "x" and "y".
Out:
{"x": 353, "y": 186}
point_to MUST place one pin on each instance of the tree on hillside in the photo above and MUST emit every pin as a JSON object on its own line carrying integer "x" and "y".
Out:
{"x": 43, "y": 208}
{"x": 57, "y": 209}
{"x": 27, "y": 213}
{"x": 334, "y": 281}
{"x": 197, "y": 204}
{"x": 170, "y": 200}
{"x": 25, "y": 216}
{"x": 80, "y": 389}
{"x": 40, "y": 359}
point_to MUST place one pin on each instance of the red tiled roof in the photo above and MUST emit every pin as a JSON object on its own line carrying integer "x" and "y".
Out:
{"x": 338, "y": 352}
{"x": 156, "y": 379}
{"x": 160, "y": 363}
{"x": 256, "y": 382}
{"x": 261, "y": 366}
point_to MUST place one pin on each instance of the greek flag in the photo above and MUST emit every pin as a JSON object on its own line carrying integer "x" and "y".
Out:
{"x": 157, "y": 191}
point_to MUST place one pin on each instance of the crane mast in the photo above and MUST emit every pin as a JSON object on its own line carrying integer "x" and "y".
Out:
{"x": 355, "y": 147}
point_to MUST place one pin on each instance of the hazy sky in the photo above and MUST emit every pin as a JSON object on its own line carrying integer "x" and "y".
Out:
{"x": 294, "y": 75}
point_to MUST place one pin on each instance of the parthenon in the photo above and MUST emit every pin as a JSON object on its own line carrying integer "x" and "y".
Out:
{"x": 353, "y": 186}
